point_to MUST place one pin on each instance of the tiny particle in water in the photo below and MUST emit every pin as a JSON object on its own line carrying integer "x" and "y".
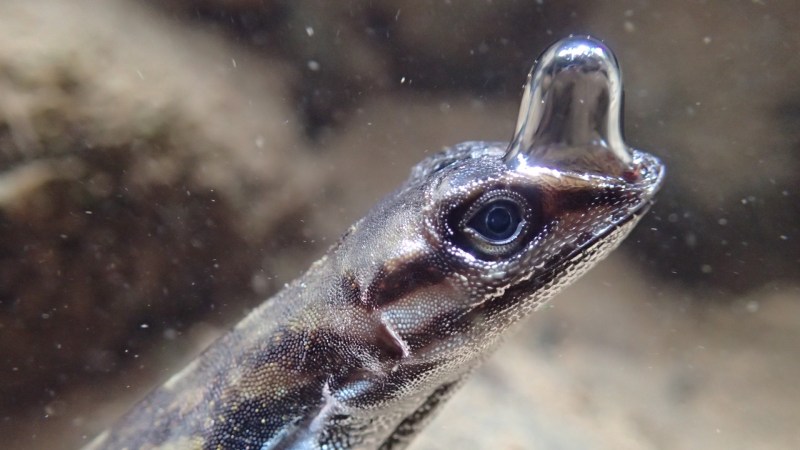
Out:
{"x": 752, "y": 306}
{"x": 706, "y": 268}
{"x": 629, "y": 26}
{"x": 707, "y": 40}
{"x": 144, "y": 326}
{"x": 310, "y": 31}
{"x": 313, "y": 66}
{"x": 170, "y": 334}
{"x": 723, "y": 221}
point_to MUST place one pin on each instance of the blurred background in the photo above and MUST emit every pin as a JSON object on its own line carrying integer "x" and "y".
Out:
{"x": 167, "y": 165}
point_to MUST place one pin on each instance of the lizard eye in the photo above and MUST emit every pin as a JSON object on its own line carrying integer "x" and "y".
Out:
{"x": 495, "y": 225}
{"x": 497, "y": 222}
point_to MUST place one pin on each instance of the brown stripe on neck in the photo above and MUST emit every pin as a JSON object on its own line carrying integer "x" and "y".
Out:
{"x": 392, "y": 284}
{"x": 386, "y": 342}
{"x": 452, "y": 322}
{"x": 372, "y": 389}
{"x": 526, "y": 288}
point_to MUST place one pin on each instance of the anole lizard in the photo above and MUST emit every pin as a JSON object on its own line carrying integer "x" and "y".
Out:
{"x": 360, "y": 351}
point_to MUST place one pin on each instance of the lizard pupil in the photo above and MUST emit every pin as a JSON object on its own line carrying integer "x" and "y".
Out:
{"x": 497, "y": 221}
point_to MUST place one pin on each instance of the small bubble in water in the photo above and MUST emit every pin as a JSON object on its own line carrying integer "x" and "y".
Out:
{"x": 170, "y": 334}
{"x": 629, "y": 26}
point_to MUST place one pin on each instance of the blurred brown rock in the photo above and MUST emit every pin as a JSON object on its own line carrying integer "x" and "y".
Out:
{"x": 144, "y": 172}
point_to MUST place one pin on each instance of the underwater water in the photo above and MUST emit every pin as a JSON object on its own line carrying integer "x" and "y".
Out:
{"x": 166, "y": 166}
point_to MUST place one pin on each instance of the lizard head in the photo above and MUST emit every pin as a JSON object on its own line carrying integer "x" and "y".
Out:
{"x": 484, "y": 232}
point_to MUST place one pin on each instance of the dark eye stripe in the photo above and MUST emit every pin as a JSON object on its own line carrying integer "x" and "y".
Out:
{"x": 392, "y": 285}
